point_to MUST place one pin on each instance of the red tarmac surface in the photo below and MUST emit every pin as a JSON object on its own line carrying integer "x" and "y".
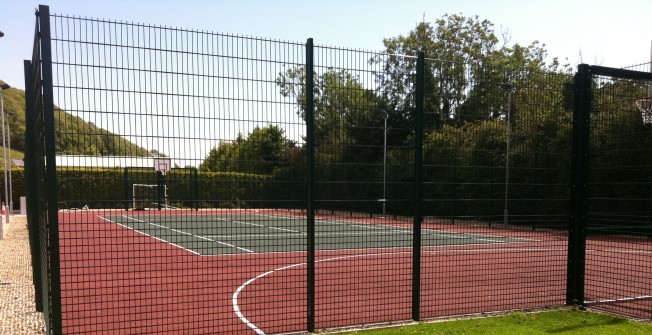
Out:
{"x": 118, "y": 281}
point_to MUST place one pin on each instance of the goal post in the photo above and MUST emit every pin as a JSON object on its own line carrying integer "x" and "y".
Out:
{"x": 149, "y": 196}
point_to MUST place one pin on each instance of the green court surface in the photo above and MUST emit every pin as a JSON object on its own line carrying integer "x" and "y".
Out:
{"x": 213, "y": 234}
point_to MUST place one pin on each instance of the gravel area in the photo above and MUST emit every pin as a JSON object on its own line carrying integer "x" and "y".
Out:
{"x": 18, "y": 314}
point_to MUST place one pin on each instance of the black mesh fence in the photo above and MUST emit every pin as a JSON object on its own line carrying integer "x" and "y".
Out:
{"x": 496, "y": 162}
{"x": 618, "y": 263}
{"x": 199, "y": 182}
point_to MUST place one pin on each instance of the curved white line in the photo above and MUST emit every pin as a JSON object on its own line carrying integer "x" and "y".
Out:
{"x": 234, "y": 300}
{"x": 246, "y": 321}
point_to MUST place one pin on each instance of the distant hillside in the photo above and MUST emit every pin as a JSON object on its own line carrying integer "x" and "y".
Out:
{"x": 74, "y": 135}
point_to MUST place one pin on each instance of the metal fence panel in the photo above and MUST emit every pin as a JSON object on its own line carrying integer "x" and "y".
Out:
{"x": 184, "y": 181}
{"x": 220, "y": 250}
{"x": 496, "y": 162}
{"x": 618, "y": 264}
{"x": 363, "y": 150}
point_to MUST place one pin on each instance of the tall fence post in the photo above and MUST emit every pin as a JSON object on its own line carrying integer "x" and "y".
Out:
{"x": 310, "y": 179}
{"x": 160, "y": 194}
{"x": 578, "y": 192}
{"x": 127, "y": 194}
{"x": 30, "y": 184}
{"x": 195, "y": 188}
{"x": 51, "y": 171}
{"x": 418, "y": 189}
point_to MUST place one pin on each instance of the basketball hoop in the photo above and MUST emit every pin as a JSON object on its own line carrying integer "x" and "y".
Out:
{"x": 645, "y": 106}
{"x": 162, "y": 164}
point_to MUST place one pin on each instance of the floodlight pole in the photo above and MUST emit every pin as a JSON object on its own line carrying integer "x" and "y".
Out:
{"x": 385, "y": 167}
{"x": 11, "y": 194}
{"x": 3, "y": 88}
{"x": 510, "y": 89}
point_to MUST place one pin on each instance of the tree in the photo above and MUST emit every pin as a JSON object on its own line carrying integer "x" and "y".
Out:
{"x": 344, "y": 109}
{"x": 263, "y": 151}
{"x": 453, "y": 46}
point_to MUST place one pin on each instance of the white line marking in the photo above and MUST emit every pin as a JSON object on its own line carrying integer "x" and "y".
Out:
{"x": 264, "y": 226}
{"x": 380, "y": 226}
{"x": 238, "y": 312}
{"x": 224, "y": 243}
{"x": 377, "y": 228}
{"x": 626, "y": 251}
{"x": 182, "y": 232}
{"x": 300, "y": 233}
{"x": 283, "y": 229}
{"x": 248, "y": 223}
{"x": 642, "y": 297}
{"x": 234, "y": 299}
{"x": 148, "y": 235}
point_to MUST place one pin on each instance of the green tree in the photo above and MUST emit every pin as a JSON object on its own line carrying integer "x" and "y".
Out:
{"x": 263, "y": 151}
{"x": 453, "y": 45}
{"x": 346, "y": 113}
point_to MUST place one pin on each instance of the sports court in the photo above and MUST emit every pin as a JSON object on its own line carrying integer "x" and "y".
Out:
{"x": 226, "y": 184}
{"x": 282, "y": 231}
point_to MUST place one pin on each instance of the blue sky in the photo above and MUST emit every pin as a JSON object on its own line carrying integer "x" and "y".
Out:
{"x": 609, "y": 33}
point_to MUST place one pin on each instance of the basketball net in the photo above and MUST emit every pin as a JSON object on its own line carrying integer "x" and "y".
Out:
{"x": 645, "y": 106}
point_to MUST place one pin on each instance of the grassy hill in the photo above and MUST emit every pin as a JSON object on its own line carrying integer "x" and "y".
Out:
{"x": 74, "y": 135}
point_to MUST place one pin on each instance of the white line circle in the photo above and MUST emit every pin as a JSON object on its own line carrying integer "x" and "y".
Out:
{"x": 238, "y": 312}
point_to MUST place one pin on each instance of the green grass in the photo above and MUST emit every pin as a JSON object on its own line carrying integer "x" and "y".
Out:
{"x": 556, "y": 322}
{"x": 15, "y": 154}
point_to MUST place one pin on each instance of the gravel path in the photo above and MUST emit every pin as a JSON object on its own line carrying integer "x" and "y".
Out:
{"x": 18, "y": 315}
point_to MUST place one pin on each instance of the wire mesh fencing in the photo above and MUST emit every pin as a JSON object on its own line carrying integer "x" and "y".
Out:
{"x": 496, "y": 160}
{"x": 199, "y": 182}
{"x": 618, "y": 266}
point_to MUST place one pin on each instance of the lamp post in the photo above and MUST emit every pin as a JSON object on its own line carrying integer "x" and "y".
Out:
{"x": 3, "y": 88}
{"x": 2, "y": 110}
{"x": 385, "y": 167}
{"x": 510, "y": 89}
{"x": 11, "y": 193}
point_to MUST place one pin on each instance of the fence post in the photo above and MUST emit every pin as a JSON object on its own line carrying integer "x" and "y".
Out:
{"x": 51, "y": 171}
{"x": 195, "y": 188}
{"x": 160, "y": 194}
{"x": 310, "y": 178}
{"x": 578, "y": 192}
{"x": 418, "y": 189}
{"x": 127, "y": 194}
{"x": 30, "y": 185}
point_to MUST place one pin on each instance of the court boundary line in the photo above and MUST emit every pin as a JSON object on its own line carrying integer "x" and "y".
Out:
{"x": 389, "y": 227}
{"x": 625, "y": 299}
{"x": 425, "y": 248}
{"x": 148, "y": 235}
{"x": 177, "y": 231}
{"x": 446, "y": 235}
{"x": 236, "y": 293}
{"x": 187, "y": 233}
{"x": 240, "y": 314}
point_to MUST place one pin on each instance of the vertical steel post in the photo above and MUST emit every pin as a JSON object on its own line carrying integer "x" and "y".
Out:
{"x": 4, "y": 151}
{"x": 510, "y": 89}
{"x": 578, "y": 192}
{"x": 10, "y": 208}
{"x": 55, "y": 321}
{"x": 160, "y": 194}
{"x": 30, "y": 185}
{"x": 418, "y": 188}
{"x": 195, "y": 188}
{"x": 310, "y": 178}
{"x": 385, "y": 166}
{"x": 127, "y": 194}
